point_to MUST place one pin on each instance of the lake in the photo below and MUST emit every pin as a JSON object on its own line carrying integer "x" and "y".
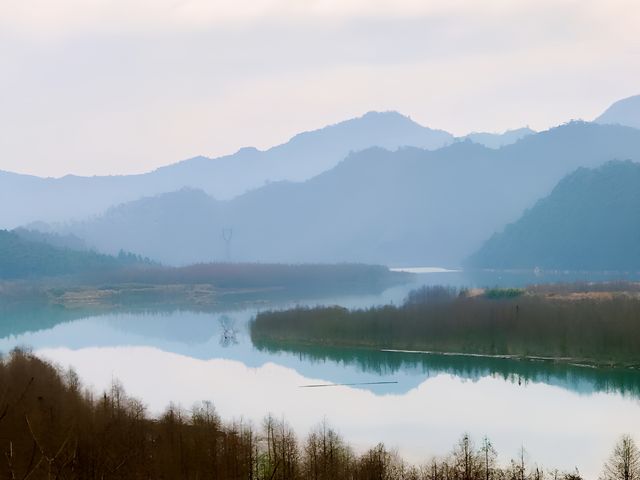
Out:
{"x": 565, "y": 416}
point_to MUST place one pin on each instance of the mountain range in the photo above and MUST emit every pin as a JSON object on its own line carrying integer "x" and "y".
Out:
{"x": 411, "y": 206}
{"x": 305, "y": 155}
{"x": 431, "y": 204}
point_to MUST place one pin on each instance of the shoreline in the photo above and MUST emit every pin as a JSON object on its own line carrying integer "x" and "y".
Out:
{"x": 573, "y": 361}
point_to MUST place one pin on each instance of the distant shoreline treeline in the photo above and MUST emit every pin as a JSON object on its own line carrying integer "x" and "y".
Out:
{"x": 563, "y": 322}
{"x": 26, "y": 257}
{"x": 259, "y": 275}
{"x": 51, "y": 428}
{"x": 194, "y": 286}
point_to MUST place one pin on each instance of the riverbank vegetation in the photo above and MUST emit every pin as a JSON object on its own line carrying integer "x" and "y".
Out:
{"x": 593, "y": 324}
{"x": 195, "y": 285}
{"x": 49, "y": 269}
{"x": 50, "y": 427}
{"x": 28, "y": 255}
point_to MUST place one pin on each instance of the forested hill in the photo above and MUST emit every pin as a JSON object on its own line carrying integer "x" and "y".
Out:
{"x": 23, "y": 258}
{"x": 590, "y": 221}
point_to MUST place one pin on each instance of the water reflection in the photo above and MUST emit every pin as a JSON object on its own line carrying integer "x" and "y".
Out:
{"x": 580, "y": 379}
{"x": 557, "y": 426}
{"x": 565, "y": 415}
{"x": 225, "y": 335}
{"x": 229, "y": 331}
{"x": 18, "y": 318}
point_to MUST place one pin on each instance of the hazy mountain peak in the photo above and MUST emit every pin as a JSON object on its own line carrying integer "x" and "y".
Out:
{"x": 497, "y": 140}
{"x": 386, "y": 115}
{"x": 623, "y": 112}
{"x": 380, "y": 128}
{"x": 248, "y": 151}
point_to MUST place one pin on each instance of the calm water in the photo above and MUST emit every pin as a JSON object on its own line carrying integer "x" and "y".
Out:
{"x": 565, "y": 416}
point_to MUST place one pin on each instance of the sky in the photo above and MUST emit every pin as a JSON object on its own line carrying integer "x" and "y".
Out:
{"x": 94, "y": 87}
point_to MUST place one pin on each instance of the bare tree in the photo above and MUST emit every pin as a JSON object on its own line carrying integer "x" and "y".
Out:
{"x": 519, "y": 466}
{"x": 465, "y": 458}
{"x": 624, "y": 463}
{"x": 488, "y": 457}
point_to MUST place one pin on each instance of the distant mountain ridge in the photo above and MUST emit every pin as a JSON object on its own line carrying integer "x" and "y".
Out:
{"x": 304, "y": 156}
{"x": 433, "y": 204}
{"x": 408, "y": 207}
{"x": 623, "y": 112}
{"x": 497, "y": 140}
{"x": 301, "y": 158}
{"x": 590, "y": 221}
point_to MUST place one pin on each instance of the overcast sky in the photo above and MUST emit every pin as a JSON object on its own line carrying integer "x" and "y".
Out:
{"x": 122, "y": 86}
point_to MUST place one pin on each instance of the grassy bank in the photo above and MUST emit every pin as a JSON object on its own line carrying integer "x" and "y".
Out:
{"x": 593, "y": 324}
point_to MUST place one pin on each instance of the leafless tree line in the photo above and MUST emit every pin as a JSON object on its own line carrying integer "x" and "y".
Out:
{"x": 50, "y": 428}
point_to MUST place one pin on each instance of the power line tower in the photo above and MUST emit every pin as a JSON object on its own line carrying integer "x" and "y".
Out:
{"x": 227, "y": 235}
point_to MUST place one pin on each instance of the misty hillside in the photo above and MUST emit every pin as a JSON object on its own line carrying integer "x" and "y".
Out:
{"x": 305, "y": 155}
{"x": 591, "y": 221}
{"x": 623, "y": 112}
{"x": 409, "y": 207}
{"x": 23, "y": 258}
{"x": 39, "y": 236}
{"x": 497, "y": 140}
